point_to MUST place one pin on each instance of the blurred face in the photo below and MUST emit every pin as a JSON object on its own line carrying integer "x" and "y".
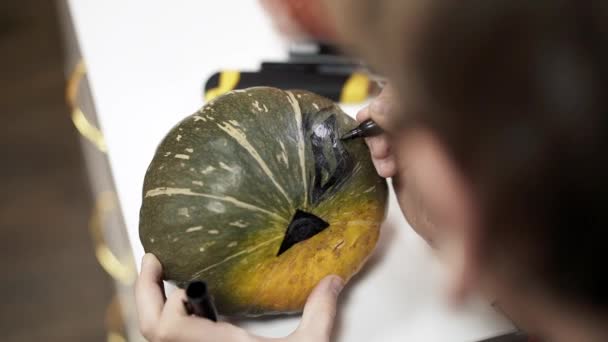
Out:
{"x": 433, "y": 197}
{"x": 441, "y": 207}
{"x": 437, "y": 200}
{"x": 439, "y": 204}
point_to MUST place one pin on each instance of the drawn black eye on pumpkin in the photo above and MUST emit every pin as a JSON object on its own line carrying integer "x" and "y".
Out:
{"x": 333, "y": 167}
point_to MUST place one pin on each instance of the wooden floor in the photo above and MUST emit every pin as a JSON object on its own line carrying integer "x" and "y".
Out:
{"x": 51, "y": 287}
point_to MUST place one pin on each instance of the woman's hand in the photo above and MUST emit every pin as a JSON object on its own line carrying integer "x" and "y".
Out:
{"x": 390, "y": 157}
{"x": 380, "y": 110}
{"x": 161, "y": 320}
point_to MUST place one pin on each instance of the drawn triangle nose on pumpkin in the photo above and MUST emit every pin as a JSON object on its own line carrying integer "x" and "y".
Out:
{"x": 302, "y": 227}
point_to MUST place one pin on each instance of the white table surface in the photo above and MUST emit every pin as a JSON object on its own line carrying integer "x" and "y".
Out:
{"x": 147, "y": 63}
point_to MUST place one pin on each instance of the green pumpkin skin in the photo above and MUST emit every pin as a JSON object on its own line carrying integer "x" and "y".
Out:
{"x": 225, "y": 182}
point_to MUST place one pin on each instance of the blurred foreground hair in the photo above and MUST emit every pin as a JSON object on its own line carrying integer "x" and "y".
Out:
{"x": 517, "y": 92}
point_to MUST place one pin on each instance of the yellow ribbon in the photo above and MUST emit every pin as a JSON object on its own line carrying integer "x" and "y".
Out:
{"x": 106, "y": 201}
{"x": 227, "y": 81}
{"x": 114, "y": 322}
{"x": 116, "y": 337}
{"x": 356, "y": 88}
{"x": 123, "y": 272}
{"x": 82, "y": 124}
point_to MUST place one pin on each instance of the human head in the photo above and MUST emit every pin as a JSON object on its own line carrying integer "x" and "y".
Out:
{"x": 509, "y": 97}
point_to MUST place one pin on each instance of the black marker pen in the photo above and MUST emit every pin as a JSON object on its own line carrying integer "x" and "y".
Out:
{"x": 367, "y": 128}
{"x": 200, "y": 302}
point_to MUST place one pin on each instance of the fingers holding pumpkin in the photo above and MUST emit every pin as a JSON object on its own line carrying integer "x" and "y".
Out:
{"x": 320, "y": 310}
{"x": 149, "y": 294}
{"x": 177, "y": 325}
{"x": 169, "y": 321}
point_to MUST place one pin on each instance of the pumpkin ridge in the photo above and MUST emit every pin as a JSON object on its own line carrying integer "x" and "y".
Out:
{"x": 241, "y": 138}
{"x": 230, "y": 257}
{"x": 301, "y": 143}
{"x": 160, "y": 191}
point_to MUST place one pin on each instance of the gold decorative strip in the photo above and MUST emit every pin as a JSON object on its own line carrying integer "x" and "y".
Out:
{"x": 115, "y": 337}
{"x": 71, "y": 91}
{"x": 82, "y": 124}
{"x": 122, "y": 272}
{"x": 114, "y": 322}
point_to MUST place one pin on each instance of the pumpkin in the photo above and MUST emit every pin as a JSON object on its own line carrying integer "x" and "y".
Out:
{"x": 256, "y": 195}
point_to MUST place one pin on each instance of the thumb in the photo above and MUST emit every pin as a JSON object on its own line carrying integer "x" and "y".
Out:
{"x": 320, "y": 309}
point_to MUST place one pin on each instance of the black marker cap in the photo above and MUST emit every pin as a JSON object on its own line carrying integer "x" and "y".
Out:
{"x": 200, "y": 302}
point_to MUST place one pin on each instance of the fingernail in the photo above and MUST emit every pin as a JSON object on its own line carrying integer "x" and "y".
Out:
{"x": 145, "y": 259}
{"x": 336, "y": 285}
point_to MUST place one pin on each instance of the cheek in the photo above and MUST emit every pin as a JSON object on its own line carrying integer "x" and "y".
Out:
{"x": 425, "y": 190}
{"x": 409, "y": 185}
